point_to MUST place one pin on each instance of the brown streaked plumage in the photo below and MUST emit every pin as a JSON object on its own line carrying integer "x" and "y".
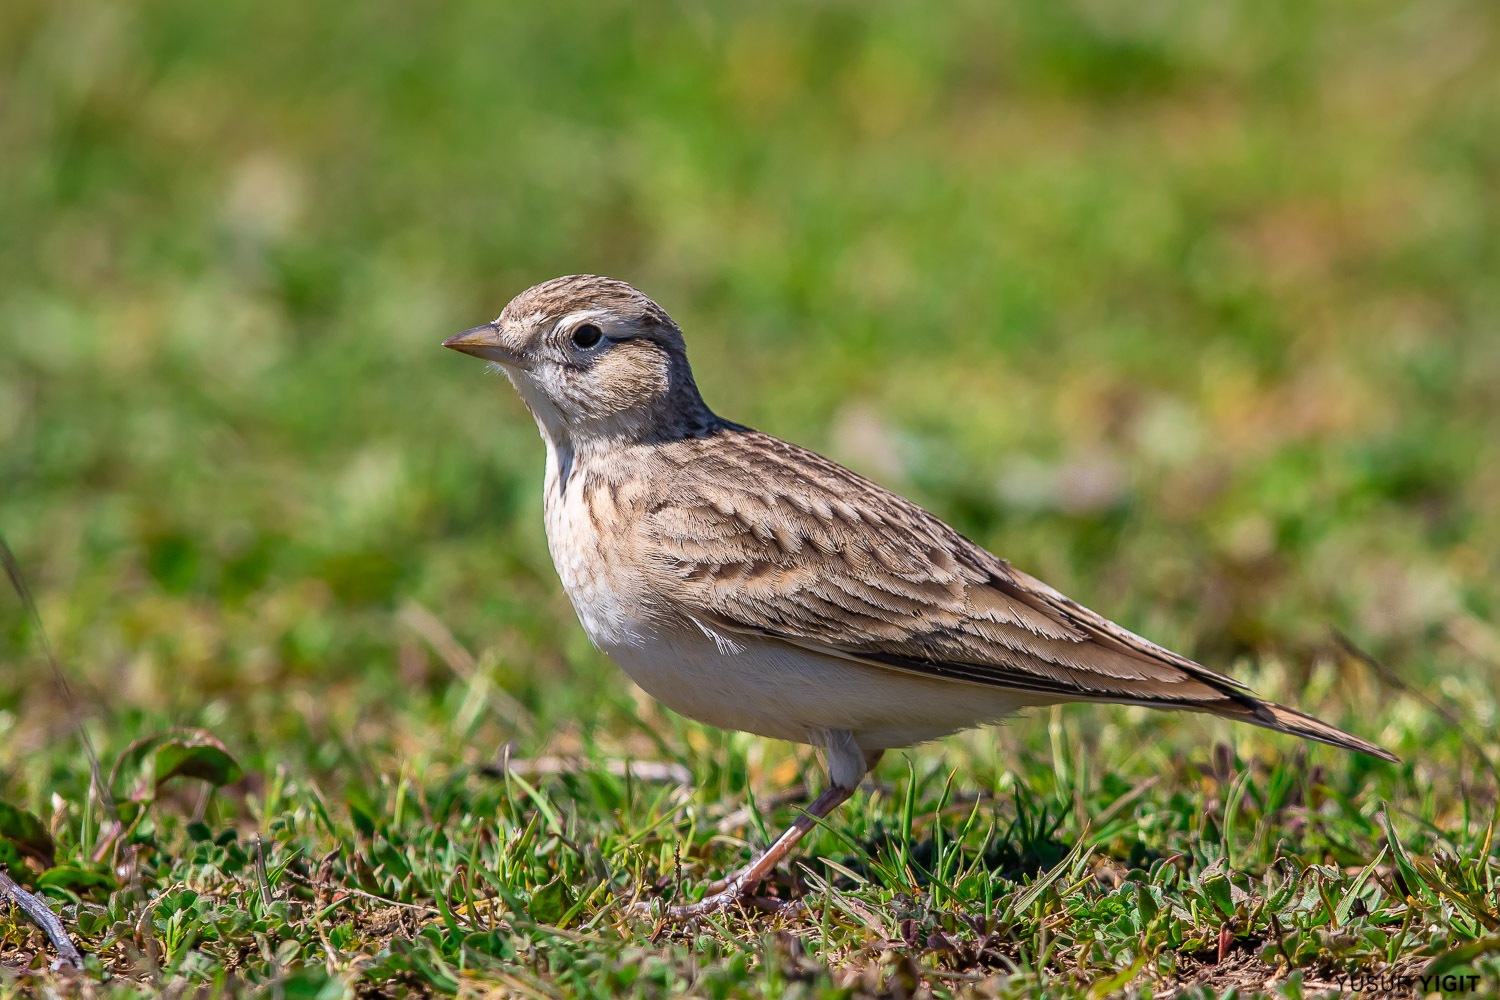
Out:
{"x": 752, "y": 584}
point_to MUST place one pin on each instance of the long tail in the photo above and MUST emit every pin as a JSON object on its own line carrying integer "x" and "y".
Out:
{"x": 1269, "y": 715}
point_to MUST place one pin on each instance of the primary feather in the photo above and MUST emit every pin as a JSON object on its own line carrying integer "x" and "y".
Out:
{"x": 755, "y": 535}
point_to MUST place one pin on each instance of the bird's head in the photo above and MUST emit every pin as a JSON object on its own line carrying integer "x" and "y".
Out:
{"x": 593, "y": 358}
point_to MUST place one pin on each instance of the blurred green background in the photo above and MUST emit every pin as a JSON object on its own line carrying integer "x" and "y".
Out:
{"x": 1190, "y": 309}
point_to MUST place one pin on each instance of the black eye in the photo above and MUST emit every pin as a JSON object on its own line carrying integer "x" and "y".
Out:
{"x": 586, "y": 335}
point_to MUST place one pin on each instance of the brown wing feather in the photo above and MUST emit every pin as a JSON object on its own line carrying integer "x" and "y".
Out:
{"x": 760, "y": 536}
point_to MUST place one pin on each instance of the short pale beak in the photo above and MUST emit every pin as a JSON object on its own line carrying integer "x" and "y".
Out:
{"x": 485, "y": 342}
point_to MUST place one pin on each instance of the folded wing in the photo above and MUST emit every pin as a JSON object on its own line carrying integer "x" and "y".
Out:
{"x": 766, "y": 538}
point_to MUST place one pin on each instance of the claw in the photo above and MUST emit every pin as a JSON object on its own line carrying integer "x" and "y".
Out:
{"x": 731, "y": 895}
{"x": 739, "y": 888}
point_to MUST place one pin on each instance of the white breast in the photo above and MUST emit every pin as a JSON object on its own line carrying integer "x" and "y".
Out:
{"x": 741, "y": 682}
{"x": 586, "y": 568}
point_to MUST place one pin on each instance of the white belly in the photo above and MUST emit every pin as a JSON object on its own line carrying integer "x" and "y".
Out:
{"x": 750, "y": 684}
{"x": 777, "y": 690}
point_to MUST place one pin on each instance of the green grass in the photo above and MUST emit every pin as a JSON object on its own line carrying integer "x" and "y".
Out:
{"x": 1189, "y": 309}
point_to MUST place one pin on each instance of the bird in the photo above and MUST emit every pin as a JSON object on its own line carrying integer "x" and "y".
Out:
{"x": 754, "y": 585}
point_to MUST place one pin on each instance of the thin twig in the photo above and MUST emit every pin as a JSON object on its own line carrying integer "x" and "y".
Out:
{"x": 37, "y": 910}
{"x": 1396, "y": 681}
{"x": 18, "y": 581}
{"x": 734, "y": 820}
{"x": 12, "y": 568}
{"x": 645, "y": 770}
{"x": 1126, "y": 799}
{"x": 42, "y": 915}
{"x": 334, "y": 886}
{"x": 431, "y": 628}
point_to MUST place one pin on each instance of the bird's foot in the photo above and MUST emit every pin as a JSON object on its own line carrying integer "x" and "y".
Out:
{"x": 724, "y": 894}
{"x": 739, "y": 889}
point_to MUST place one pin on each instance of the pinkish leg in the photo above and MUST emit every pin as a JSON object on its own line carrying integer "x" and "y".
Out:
{"x": 741, "y": 886}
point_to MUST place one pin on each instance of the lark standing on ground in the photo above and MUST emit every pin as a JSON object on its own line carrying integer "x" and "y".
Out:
{"x": 751, "y": 584}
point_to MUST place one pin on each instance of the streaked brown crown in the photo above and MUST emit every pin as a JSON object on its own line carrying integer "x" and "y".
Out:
{"x": 572, "y": 292}
{"x": 640, "y": 388}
